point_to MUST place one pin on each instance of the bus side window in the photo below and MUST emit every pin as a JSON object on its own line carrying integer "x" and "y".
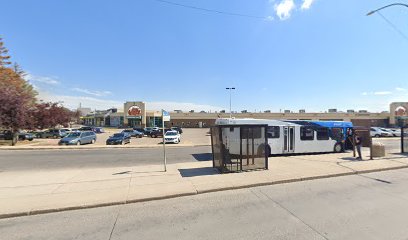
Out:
{"x": 273, "y": 132}
{"x": 337, "y": 134}
{"x": 306, "y": 133}
{"x": 322, "y": 134}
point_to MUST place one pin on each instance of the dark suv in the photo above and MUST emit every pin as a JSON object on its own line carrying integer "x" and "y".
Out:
{"x": 51, "y": 133}
{"x": 159, "y": 132}
{"x": 178, "y": 129}
{"x": 87, "y": 129}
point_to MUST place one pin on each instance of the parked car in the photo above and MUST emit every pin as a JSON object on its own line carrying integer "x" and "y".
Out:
{"x": 178, "y": 129}
{"x": 388, "y": 130}
{"x": 66, "y": 131}
{"x": 133, "y": 133}
{"x": 51, "y": 133}
{"x": 396, "y": 132}
{"x": 118, "y": 138}
{"x": 6, "y": 135}
{"x": 25, "y": 136}
{"x": 159, "y": 132}
{"x": 78, "y": 138}
{"x": 377, "y": 132}
{"x": 99, "y": 130}
{"x": 149, "y": 130}
{"x": 86, "y": 128}
{"x": 172, "y": 137}
{"x": 139, "y": 130}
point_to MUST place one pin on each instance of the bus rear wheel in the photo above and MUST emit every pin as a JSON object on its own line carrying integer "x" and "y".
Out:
{"x": 338, "y": 148}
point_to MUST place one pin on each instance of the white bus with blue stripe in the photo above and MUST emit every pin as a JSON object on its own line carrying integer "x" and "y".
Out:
{"x": 292, "y": 136}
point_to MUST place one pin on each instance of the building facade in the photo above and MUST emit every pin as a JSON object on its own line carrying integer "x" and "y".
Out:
{"x": 135, "y": 114}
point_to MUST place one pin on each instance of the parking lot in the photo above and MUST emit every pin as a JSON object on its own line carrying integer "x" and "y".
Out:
{"x": 190, "y": 136}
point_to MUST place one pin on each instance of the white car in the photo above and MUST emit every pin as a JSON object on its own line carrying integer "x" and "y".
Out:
{"x": 396, "y": 132}
{"x": 377, "y": 132}
{"x": 388, "y": 130}
{"x": 172, "y": 137}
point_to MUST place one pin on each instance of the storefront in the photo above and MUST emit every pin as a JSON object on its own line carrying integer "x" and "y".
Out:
{"x": 135, "y": 114}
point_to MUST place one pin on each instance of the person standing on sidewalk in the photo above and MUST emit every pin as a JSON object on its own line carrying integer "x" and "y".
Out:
{"x": 358, "y": 141}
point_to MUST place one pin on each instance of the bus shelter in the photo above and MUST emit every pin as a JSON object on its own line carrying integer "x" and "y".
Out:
{"x": 237, "y": 148}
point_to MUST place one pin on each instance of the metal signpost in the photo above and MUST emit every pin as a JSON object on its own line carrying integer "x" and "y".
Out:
{"x": 165, "y": 117}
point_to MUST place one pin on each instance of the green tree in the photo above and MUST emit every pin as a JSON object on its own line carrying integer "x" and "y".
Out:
{"x": 4, "y": 57}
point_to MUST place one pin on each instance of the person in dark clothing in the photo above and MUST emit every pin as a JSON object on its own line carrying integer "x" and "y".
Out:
{"x": 358, "y": 141}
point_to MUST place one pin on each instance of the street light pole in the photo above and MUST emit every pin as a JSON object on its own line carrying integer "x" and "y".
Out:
{"x": 230, "y": 89}
{"x": 390, "y": 5}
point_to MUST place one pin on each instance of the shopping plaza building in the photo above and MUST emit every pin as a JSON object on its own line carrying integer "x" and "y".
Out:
{"x": 136, "y": 114}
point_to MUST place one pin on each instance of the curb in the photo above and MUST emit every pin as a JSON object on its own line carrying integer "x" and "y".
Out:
{"x": 97, "y": 148}
{"x": 45, "y": 211}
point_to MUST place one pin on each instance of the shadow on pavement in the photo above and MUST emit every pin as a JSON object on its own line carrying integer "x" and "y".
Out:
{"x": 349, "y": 159}
{"x": 202, "y": 156}
{"x": 194, "y": 172}
{"x": 400, "y": 154}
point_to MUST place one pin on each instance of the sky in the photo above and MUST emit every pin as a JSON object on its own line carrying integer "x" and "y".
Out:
{"x": 278, "y": 54}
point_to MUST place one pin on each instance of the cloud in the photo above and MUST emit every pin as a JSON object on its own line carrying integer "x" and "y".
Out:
{"x": 184, "y": 106}
{"x": 93, "y": 93}
{"x": 284, "y": 9}
{"x": 306, "y": 4}
{"x": 380, "y": 93}
{"x": 41, "y": 79}
{"x": 383, "y": 93}
{"x": 400, "y": 89}
{"x": 269, "y": 18}
{"x": 72, "y": 102}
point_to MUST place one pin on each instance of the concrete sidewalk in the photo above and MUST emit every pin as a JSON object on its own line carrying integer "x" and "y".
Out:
{"x": 33, "y": 192}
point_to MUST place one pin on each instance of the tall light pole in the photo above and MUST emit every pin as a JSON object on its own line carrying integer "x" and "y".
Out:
{"x": 390, "y": 5}
{"x": 230, "y": 90}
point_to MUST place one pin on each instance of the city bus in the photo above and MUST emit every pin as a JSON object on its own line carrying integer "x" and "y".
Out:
{"x": 291, "y": 136}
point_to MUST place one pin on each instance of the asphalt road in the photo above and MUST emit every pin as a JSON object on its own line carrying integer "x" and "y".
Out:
{"x": 64, "y": 159}
{"x": 85, "y": 158}
{"x": 370, "y": 206}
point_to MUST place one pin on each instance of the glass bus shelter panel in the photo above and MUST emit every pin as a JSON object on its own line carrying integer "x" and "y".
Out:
{"x": 238, "y": 148}
{"x": 253, "y": 145}
{"x": 232, "y": 150}
{"x": 216, "y": 145}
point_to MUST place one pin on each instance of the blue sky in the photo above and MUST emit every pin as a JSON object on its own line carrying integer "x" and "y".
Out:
{"x": 299, "y": 54}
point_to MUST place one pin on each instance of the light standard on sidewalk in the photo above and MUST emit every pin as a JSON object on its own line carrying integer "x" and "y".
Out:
{"x": 230, "y": 89}
{"x": 390, "y": 5}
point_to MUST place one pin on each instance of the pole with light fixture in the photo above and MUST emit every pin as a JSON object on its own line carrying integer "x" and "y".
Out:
{"x": 230, "y": 89}
{"x": 390, "y": 5}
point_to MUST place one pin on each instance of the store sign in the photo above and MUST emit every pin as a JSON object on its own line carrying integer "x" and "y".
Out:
{"x": 134, "y": 111}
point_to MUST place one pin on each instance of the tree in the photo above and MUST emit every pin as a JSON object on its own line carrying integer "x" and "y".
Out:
{"x": 4, "y": 57}
{"x": 48, "y": 115}
{"x": 17, "y": 100}
{"x": 17, "y": 97}
{"x": 19, "y": 108}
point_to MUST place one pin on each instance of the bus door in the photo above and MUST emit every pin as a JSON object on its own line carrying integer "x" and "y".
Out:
{"x": 288, "y": 139}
